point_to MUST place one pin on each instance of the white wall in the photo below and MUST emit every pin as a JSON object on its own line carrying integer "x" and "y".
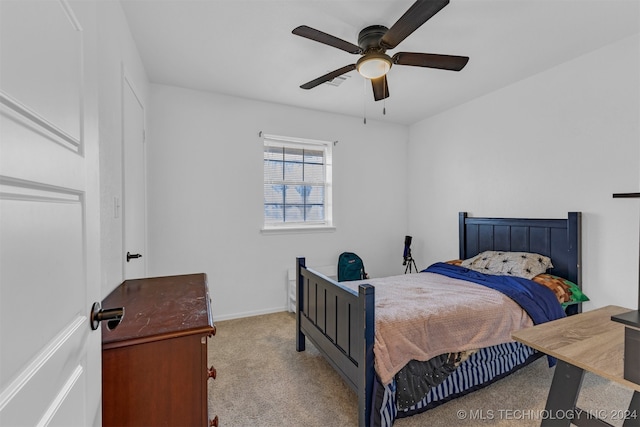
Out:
{"x": 117, "y": 52}
{"x": 205, "y": 195}
{"x": 563, "y": 140}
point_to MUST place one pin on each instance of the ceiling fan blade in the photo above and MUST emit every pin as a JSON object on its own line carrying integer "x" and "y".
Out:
{"x": 328, "y": 39}
{"x": 328, "y": 77}
{"x": 380, "y": 88}
{"x": 419, "y": 13}
{"x": 431, "y": 60}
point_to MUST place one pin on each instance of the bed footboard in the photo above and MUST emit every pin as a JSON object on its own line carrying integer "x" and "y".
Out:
{"x": 340, "y": 324}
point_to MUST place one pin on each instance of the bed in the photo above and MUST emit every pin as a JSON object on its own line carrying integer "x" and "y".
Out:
{"x": 340, "y": 321}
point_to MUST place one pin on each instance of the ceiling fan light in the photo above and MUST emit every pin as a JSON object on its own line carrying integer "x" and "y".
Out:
{"x": 373, "y": 66}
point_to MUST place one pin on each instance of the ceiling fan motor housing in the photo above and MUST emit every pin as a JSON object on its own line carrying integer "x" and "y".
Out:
{"x": 369, "y": 38}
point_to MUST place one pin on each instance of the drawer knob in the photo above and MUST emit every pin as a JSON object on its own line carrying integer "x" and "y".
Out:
{"x": 213, "y": 331}
{"x": 213, "y": 422}
{"x": 212, "y": 372}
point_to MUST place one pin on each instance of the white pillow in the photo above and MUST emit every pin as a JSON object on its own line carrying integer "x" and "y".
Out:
{"x": 520, "y": 264}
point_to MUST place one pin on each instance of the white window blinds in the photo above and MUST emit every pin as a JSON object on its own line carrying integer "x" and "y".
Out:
{"x": 297, "y": 182}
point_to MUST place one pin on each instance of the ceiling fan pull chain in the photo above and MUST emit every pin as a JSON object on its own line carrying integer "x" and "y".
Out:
{"x": 384, "y": 100}
{"x": 364, "y": 100}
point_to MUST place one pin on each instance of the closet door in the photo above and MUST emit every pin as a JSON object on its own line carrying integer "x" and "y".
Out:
{"x": 134, "y": 180}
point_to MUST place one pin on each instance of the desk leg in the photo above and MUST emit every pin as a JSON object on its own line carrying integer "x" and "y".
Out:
{"x": 634, "y": 411}
{"x": 563, "y": 395}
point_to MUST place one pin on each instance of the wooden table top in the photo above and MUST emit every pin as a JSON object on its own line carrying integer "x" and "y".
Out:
{"x": 159, "y": 308}
{"x": 590, "y": 340}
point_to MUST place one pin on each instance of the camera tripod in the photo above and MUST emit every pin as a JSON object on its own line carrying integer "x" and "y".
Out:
{"x": 408, "y": 261}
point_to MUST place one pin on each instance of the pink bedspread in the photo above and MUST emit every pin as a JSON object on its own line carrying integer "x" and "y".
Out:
{"x": 419, "y": 316}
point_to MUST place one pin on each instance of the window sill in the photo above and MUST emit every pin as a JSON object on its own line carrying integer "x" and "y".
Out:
{"x": 299, "y": 229}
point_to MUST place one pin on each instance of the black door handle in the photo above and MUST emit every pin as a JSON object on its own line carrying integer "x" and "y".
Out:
{"x": 131, "y": 256}
{"x": 113, "y": 316}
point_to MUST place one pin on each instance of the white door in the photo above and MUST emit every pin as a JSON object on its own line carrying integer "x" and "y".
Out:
{"x": 134, "y": 206}
{"x": 50, "y": 371}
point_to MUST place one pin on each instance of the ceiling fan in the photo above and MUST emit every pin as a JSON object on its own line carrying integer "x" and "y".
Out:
{"x": 373, "y": 42}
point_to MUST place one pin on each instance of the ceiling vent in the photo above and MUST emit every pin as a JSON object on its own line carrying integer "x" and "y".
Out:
{"x": 337, "y": 81}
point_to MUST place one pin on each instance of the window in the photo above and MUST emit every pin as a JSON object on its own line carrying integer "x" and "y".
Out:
{"x": 297, "y": 183}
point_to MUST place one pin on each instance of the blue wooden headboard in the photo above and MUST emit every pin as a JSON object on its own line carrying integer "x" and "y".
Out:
{"x": 559, "y": 239}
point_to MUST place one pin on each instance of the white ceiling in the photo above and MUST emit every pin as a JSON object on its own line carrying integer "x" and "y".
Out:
{"x": 246, "y": 49}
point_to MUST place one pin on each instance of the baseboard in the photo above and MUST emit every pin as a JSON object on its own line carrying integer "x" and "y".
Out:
{"x": 249, "y": 314}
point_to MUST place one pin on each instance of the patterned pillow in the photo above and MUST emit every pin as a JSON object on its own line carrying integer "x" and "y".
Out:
{"x": 566, "y": 291}
{"x": 520, "y": 264}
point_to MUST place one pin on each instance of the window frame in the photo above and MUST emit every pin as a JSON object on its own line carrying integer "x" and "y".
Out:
{"x": 270, "y": 141}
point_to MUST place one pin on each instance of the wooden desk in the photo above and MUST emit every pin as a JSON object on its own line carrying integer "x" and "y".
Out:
{"x": 585, "y": 342}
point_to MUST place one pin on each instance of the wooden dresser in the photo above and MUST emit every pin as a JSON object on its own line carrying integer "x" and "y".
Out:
{"x": 154, "y": 364}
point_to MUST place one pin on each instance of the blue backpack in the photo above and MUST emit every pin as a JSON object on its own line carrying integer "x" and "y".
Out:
{"x": 350, "y": 267}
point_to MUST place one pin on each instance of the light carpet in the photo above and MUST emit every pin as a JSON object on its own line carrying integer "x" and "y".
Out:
{"x": 263, "y": 381}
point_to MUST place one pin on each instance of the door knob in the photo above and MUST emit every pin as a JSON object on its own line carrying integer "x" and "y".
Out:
{"x": 113, "y": 316}
{"x": 131, "y": 256}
